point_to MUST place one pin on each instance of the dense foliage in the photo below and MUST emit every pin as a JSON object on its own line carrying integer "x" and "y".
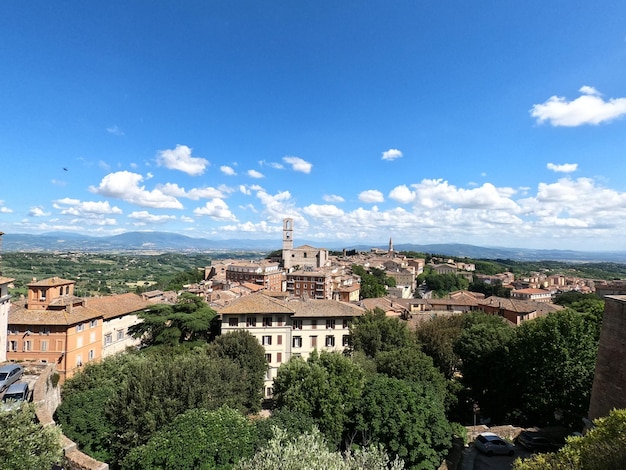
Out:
{"x": 25, "y": 444}
{"x": 374, "y": 332}
{"x": 602, "y": 447}
{"x": 374, "y": 282}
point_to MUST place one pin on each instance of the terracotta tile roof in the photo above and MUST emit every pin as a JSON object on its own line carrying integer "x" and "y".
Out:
{"x": 260, "y": 303}
{"x": 18, "y": 315}
{"x": 112, "y": 306}
{"x": 253, "y": 287}
{"x": 51, "y": 281}
{"x": 256, "y": 303}
{"x": 519, "y": 306}
{"x": 6, "y": 280}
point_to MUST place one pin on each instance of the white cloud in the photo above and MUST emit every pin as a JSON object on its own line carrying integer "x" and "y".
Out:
{"x": 589, "y": 108}
{"x": 250, "y": 227}
{"x": 74, "y": 207}
{"x": 115, "y": 130}
{"x": 37, "y": 212}
{"x": 104, "y": 165}
{"x": 275, "y": 165}
{"x": 332, "y": 198}
{"x": 391, "y": 154}
{"x": 255, "y": 174}
{"x": 172, "y": 189}
{"x": 216, "y": 209}
{"x": 564, "y": 168}
{"x": 125, "y": 185}
{"x": 243, "y": 189}
{"x": 188, "y": 220}
{"x": 322, "y": 210}
{"x": 180, "y": 159}
{"x": 298, "y": 164}
{"x": 371, "y": 196}
{"x": 227, "y": 170}
{"x": 4, "y": 209}
{"x": 402, "y": 194}
{"x": 437, "y": 193}
{"x": 144, "y": 217}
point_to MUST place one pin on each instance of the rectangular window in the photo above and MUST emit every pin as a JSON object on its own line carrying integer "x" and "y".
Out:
{"x": 42, "y": 294}
{"x": 251, "y": 321}
{"x": 120, "y": 335}
{"x": 92, "y": 337}
{"x": 280, "y": 321}
{"x": 44, "y": 346}
{"x": 330, "y": 341}
{"x": 346, "y": 324}
{"x": 92, "y": 354}
{"x": 28, "y": 345}
{"x": 93, "y": 323}
{"x": 279, "y": 357}
{"x": 233, "y": 321}
{"x": 313, "y": 341}
{"x": 80, "y": 327}
{"x": 108, "y": 339}
{"x": 314, "y": 324}
{"x": 12, "y": 345}
{"x": 266, "y": 340}
{"x": 345, "y": 340}
{"x": 79, "y": 360}
{"x": 268, "y": 358}
{"x": 279, "y": 339}
{"x": 267, "y": 321}
{"x": 297, "y": 341}
{"x": 330, "y": 324}
{"x": 297, "y": 324}
{"x": 79, "y": 342}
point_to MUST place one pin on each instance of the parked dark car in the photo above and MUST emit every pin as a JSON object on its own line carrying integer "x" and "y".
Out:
{"x": 492, "y": 444}
{"x": 535, "y": 441}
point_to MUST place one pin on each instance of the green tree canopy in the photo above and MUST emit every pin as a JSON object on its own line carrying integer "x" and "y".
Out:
{"x": 245, "y": 350}
{"x": 325, "y": 387}
{"x": 602, "y": 447}
{"x": 406, "y": 418}
{"x": 25, "y": 444}
{"x": 196, "y": 439}
{"x": 437, "y": 338}
{"x": 374, "y": 332}
{"x": 374, "y": 282}
{"x": 187, "y": 321}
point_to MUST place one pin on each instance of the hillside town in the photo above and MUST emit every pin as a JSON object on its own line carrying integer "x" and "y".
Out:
{"x": 297, "y": 303}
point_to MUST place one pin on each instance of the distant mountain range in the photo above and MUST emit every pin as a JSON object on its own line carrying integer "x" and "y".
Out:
{"x": 165, "y": 242}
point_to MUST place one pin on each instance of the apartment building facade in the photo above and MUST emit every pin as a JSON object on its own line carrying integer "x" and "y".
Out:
{"x": 309, "y": 283}
{"x": 269, "y": 276}
{"x": 288, "y": 328}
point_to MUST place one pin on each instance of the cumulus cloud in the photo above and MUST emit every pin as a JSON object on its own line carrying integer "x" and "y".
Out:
{"x": 250, "y": 227}
{"x": 589, "y": 108}
{"x": 227, "y": 170}
{"x": 4, "y": 209}
{"x": 188, "y": 220}
{"x": 37, "y": 212}
{"x": 125, "y": 185}
{"x": 298, "y": 164}
{"x": 216, "y": 209}
{"x": 371, "y": 196}
{"x": 172, "y": 189}
{"x": 323, "y": 210}
{"x": 332, "y": 198}
{"x": 144, "y": 218}
{"x": 255, "y": 174}
{"x": 391, "y": 154}
{"x": 564, "y": 168}
{"x": 402, "y": 194}
{"x": 180, "y": 159}
{"x": 75, "y": 207}
{"x": 440, "y": 194}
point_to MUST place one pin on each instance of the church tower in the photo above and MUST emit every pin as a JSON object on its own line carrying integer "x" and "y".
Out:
{"x": 390, "y": 252}
{"x": 287, "y": 241}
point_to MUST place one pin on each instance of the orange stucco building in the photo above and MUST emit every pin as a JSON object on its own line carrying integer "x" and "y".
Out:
{"x": 53, "y": 325}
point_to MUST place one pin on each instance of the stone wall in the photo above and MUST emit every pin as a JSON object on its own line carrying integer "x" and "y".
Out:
{"x": 47, "y": 398}
{"x": 609, "y": 382}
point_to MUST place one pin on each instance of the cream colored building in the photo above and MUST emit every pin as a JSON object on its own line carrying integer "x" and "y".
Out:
{"x": 5, "y": 303}
{"x": 288, "y": 328}
{"x": 119, "y": 314}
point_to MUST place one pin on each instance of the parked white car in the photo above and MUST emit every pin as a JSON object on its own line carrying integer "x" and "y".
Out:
{"x": 492, "y": 444}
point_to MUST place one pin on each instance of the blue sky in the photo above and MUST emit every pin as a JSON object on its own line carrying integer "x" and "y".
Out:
{"x": 494, "y": 123}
